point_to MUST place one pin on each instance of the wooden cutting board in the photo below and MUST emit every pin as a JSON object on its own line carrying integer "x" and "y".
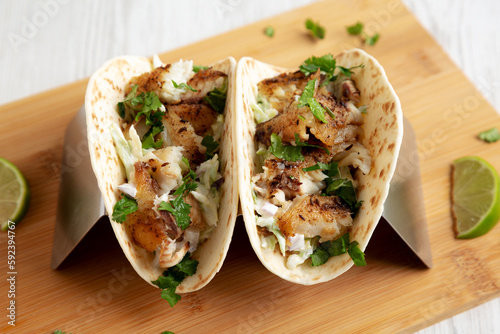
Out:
{"x": 96, "y": 290}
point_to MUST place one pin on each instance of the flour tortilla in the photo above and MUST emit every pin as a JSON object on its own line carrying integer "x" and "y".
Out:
{"x": 383, "y": 129}
{"x": 105, "y": 89}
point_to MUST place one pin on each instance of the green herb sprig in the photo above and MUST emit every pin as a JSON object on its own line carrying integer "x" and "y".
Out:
{"x": 174, "y": 276}
{"x": 315, "y": 28}
{"x": 339, "y": 246}
{"x": 124, "y": 207}
{"x": 358, "y": 29}
{"x": 490, "y": 136}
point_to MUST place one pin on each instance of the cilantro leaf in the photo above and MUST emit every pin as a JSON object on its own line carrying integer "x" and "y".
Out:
{"x": 183, "y": 85}
{"x": 357, "y": 256}
{"x": 269, "y": 31}
{"x": 122, "y": 106}
{"x": 178, "y": 207}
{"x": 315, "y": 28}
{"x": 307, "y": 99}
{"x": 358, "y": 29}
{"x": 217, "y": 99}
{"x": 170, "y": 296}
{"x": 331, "y": 169}
{"x": 355, "y": 29}
{"x": 150, "y": 105}
{"x": 325, "y": 64}
{"x": 285, "y": 152}
{"x": 307, "y": 93}
{"x": 490, "y": 136}
{"x": 339, "y": 246}
{"x": 211, "y": 144}
{"x": 148, "y": 140}
{"x": 347, "y": 71}
{"x": 174, "y": 276}
{"x": 123, "y": 207}
{"x": 197, "y": 68}
{"x": 344, "y": 189}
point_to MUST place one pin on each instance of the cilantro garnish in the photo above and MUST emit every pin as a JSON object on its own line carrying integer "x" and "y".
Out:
{"x": 183, "y": 85}
{"x": 327, "y": 65}
{"x": 307, "y": 99}
{"x": 359, "y": 29}
{"x": 339, "y": 246}
{"x": 174, "y": 276}
{"x": 211, "y": 144}
{"x": 490, "y": 136}
{"x": 123, "y": 207}
{"x": 285, "y": 152}
{"x": 341, "y": 188}
{"x": 150, "y": 108}
{"x": 197, "y": 68}
{"x": 148, "y": 140}
{"x": 290, "y": 152}
{"x": 316, "y": 29}
{"x": 178, "y": 207}
{"x": 217, "y": 99}
{"x": 269, "y": 31}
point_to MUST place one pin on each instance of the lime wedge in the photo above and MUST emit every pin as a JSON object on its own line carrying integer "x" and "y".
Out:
{"x": 475, "y": 197}
{"x": 14, "y": 194}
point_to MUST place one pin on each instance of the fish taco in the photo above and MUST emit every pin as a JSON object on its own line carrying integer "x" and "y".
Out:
{"x": 159, "y": 138}
{"x": 317, "y": 150}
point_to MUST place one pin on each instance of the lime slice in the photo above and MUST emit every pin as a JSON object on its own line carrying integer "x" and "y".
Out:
{"x": 14, "y": 194}
{"x": 475, "y": 197}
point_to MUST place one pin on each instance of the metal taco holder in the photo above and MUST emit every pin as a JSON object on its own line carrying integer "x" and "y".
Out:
{"x": 81, "y": 206}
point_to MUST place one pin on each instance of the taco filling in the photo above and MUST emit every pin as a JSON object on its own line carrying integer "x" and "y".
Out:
{"x": 309, "y": 142}
{"x": 168, "y": 142}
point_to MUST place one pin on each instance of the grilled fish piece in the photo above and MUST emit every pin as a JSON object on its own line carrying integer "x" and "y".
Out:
{"x": 315, "y": 215}
{"x": 200, "y": 116}
{"x": 146, "y": 228}
{"x": 204, "y": 82}
{"x": 180, "y": 132}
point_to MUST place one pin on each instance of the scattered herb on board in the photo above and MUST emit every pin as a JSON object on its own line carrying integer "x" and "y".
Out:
{"x": 269, "y": 31}
{"x": 490, "y": 136}
{"x": 315, "y": 28}
{"x": 123, "y": 207}
{"x": 359, "y": 29}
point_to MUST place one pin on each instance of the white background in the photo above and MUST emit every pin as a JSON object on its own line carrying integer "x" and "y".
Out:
{"x": 49, "y": 43}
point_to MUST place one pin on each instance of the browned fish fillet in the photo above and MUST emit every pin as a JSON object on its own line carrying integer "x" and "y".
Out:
{"x": 204, "y": 82}
{"x": 146, "y": 228}
{"x": 313, "y": 215}
{"x": 200, "y": 116}
{"x": 181, "y": 133}
{"x": 149, "y": 81}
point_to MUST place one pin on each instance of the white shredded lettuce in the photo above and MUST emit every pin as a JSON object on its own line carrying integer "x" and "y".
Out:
{"x": 262, "y": 110}
{"x": 206, "y": 195}
{"x": 302, "y": 255}
{"x": 124, "y": 150}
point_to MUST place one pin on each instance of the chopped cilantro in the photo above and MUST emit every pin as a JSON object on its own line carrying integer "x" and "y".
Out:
{"x": 150, "y": 108}
{"x": 359, "y": 29}
{"x": 217, "y": 98}
{"x": 307, "y": 99}
{"x": 490, "y": 136}
{"x": 315, "y": 28}
{"x": 371, "y": 40}
{"x": 183, "y": 85}
{"x": 178, "y": 207}
{"x": 148, "y": 140}
{"x": 211, "y": 144}
{"x": 290, "y": 152}
{"x": 197, "y": 68}
{"x": 285, "y": 152}
{"x": 269, "y": 31}
{"x": 347, "y": 71}
{"x": 327, "y": 65}
{"x": 339, "y": 246}
{"x": 167, "y": 332}
{"x": 355, "y": 29}
{"x": 174, "y": 276}
{"x": 123, "y": 207}
{"x": 341, "y": 188}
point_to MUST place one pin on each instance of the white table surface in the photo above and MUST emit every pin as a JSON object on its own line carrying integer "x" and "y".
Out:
{"x": 49, "y": 43}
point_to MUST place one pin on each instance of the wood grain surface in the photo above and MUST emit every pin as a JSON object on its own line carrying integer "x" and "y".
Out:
{"x": 98, "y": 291}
